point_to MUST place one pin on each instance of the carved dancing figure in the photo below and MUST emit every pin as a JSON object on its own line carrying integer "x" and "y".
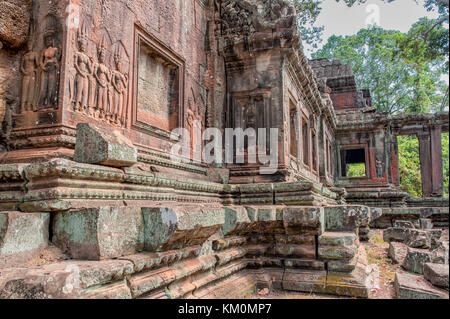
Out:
{"x": 120, "y": 84}
{"x": 50, "y": 69}
{"x": 84, "y": 67}
{"x": 103, "y": 76}
{"x": 29, "y": 68}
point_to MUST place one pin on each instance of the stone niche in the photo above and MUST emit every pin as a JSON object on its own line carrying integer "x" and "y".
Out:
{"x": 159, "y": 87}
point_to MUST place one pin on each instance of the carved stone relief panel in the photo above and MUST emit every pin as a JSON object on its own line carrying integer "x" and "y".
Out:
{"x": 101, "y": 81}
{"x": 41, "y": 64}
{"x": 159, "y": 82}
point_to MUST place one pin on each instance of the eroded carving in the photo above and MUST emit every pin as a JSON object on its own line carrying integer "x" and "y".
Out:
{"x": 50, "y": 65}
{"x": 29, "y": 69}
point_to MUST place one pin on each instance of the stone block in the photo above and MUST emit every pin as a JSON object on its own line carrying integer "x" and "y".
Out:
{"x": 416, "y": 238}
{"x": 440, "y": 254}
{"x": 337, "y": 239}
{"x": 99, "y": 233}
{"x": 292, "y": 250}
{"x": 364, "y": 233}
{"x": 236, "y": 221}
{"x": 304, "y": 220}
{"x": 416, "y": 259}
{"x": 180, "y": 226}
{"x": 304, "y": 264}
{"x": 96, "y": 145}
{"x": 395, "y": 234}
{"x": 426, "y": 223}
{"x": 346, "y": 218}
{"x": 337, "y": 252}
{"x": 22, "y": 232}
{"x": 304, "y": 280}
{"x": 342, "y": 266}
{"x": 437, "y": 274}
{"x": 398, "y": 252}
{"x": 410, "y": 286}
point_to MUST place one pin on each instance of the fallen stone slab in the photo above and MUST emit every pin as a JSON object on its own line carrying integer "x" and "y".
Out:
{"x": 398, "y": 252}
{"x": 22, "y": 232}
{"x": 440, "y": 254}
{"x": 416, "y": 238}
{"x": 410, "y": 286}
{"x": 96, "y": 145}
{"x": 437, "y": 274}
{"x": 395, "y": 234}
{"x": 416, "y": 259}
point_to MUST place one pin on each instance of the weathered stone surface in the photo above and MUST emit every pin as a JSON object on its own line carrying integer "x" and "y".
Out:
{"x": 410, "y": 286}
{"x": 437, "y": 274}
{"x": 416, "y": 259}
{"x": 398, "y": 252}
{"x": 426, "y": 223}
{"x": 21, "y": 232}
{"x": 99, "y": 233}
{"x": 113, "y": 291}
{"x": 346, "y": 218}
{"x": 440, "y": 254}
{"x": 237, "y": 220}
{"x": 416, "y": 238}
{"x": 338, "y": 252}
{"x": 304, "y": 220}
{"x": 304, "y": 264}
{"x": 337, "y": 239}
{"x": 394, "y": 234}
{"x": 403, "y": 224}
{"x": 96, "y": 145}
{"x": 364, "y": 233}
{"x": 14, "y": 24}
{"x": 305, "y": 280}
{"x": 62, "y": 280}
{"x": 342, "y": 266}
{"x": 180, "y": 226}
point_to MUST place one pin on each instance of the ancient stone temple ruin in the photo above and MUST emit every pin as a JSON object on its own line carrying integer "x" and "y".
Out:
{"x": 90, "y": 93}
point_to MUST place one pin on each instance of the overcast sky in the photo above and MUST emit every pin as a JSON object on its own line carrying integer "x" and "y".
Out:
{"x": 339, "y": 19}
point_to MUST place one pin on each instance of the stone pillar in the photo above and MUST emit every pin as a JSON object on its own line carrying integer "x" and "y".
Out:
{"x": 437, "y": 175}
{"x": 322, "y": 154}
{"x": 425, "y": 162}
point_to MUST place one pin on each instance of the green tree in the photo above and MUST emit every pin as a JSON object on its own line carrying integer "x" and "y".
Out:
{"x": 409, "y": 165}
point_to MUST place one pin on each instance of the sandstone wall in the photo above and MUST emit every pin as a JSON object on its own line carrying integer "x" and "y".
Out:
{"x": 14, "y": 22}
